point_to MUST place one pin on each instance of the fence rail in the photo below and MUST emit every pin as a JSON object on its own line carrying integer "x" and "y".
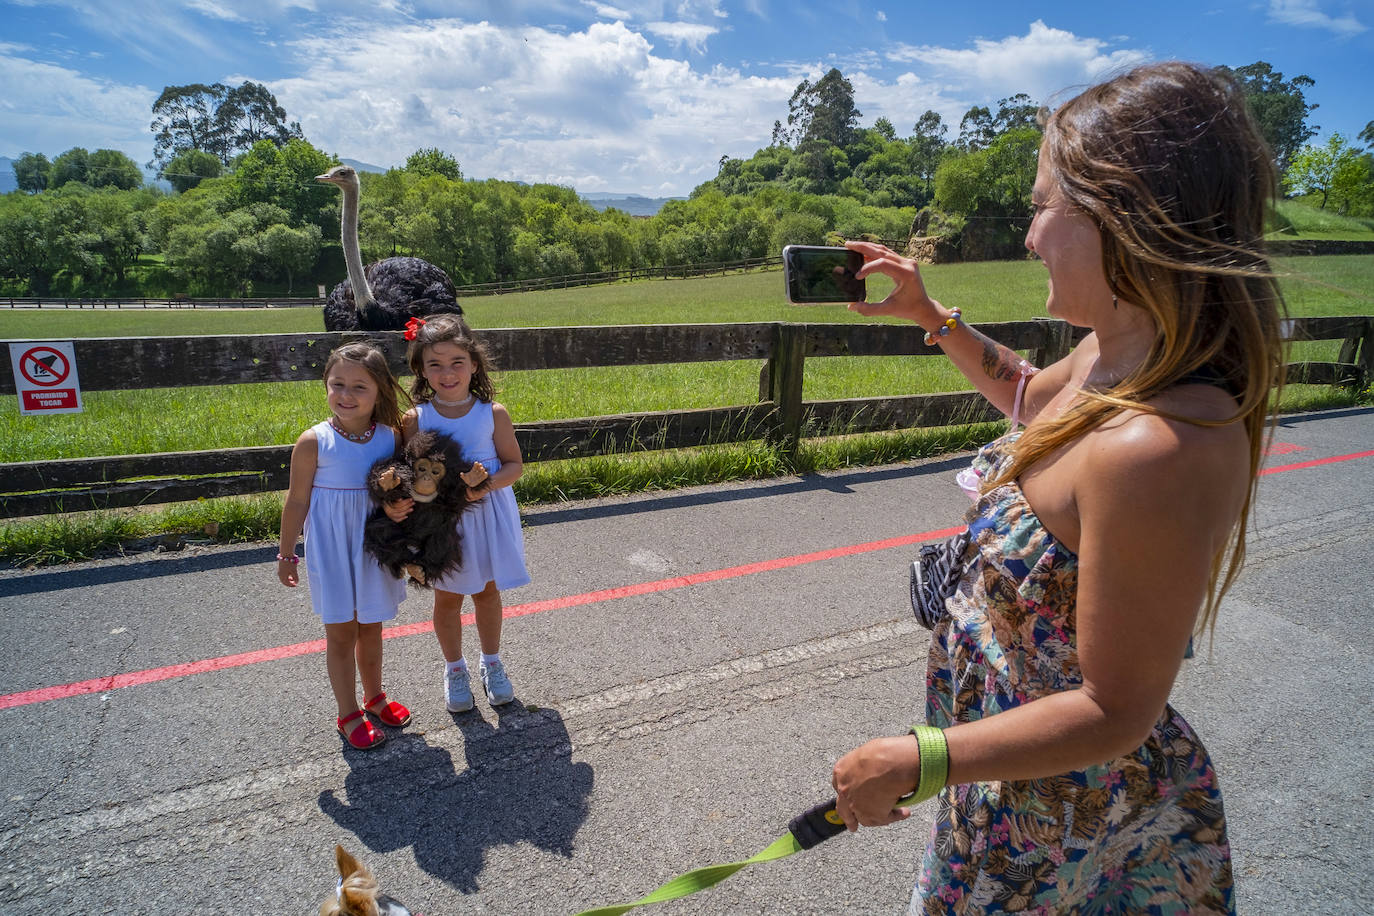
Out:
{"x": 781, "y": 414}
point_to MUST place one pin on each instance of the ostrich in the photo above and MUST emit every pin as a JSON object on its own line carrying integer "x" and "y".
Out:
{"x": 382, "y": 296}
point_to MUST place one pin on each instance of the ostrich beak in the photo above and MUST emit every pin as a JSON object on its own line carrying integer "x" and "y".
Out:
{"x": 324, "y": 178}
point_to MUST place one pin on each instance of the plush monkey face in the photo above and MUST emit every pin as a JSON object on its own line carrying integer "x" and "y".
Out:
{"x": 429, "y": 470}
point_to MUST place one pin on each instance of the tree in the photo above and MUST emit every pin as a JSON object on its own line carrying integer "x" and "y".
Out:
{"x": 189, "y": 168}
{"x": 184, "y": 119}
{"x": 218, "y": 120}
{"x": 1367, "y": 135}
{"x": 927, "y": 146}
{"x": 823, "y": 110}
{"x": 1278, "y": 106}
{"x": 73, "y": 165}
{"x": 32, "y": 171}
{"x": 1016, "y": 113}
{"x": 109, "y": 168}
{"x": 290, "y": 251}
{"x": 976, "y": 129}
{"x": 433, "y": 161}
{"x": 1322, "y": 169}
{"x": 250, "y": 113}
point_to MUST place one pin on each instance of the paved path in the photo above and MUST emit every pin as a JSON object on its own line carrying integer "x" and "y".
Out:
{"x": 688, "y": 667}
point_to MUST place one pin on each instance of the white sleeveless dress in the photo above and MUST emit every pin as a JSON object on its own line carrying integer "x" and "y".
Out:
{"x": 343, "y": 578}
{"x": 493, "y": 546}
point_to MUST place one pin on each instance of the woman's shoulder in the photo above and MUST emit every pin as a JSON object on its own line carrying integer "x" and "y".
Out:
{"x": 1167, "y": 460}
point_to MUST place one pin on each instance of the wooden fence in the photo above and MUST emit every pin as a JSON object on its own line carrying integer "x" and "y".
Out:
{"x": 36, "y": 487}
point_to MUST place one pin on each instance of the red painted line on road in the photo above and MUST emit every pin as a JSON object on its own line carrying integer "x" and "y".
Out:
{"x": 1315, "y": 462}
{"x": 152, "y": 675}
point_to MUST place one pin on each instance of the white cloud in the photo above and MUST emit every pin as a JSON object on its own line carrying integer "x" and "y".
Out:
{"x": 1306, "y": 14}
{"x": 50, "y": 109}
{"x": 597, "y": 108}
{"x": 606, "y": 11}
{"x": 882, "y": 17}
{"x": 683, "y": 33}
{"x": 1043, "y": 63}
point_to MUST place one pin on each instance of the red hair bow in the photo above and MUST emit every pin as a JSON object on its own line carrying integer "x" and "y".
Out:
{"x": 413, "y": 327}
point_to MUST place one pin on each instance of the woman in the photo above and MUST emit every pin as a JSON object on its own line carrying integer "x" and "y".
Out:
{"x": 1104, "y": 528}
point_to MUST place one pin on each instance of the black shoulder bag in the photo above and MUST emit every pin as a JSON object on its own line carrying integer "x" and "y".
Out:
{"x": 935, "y": 575}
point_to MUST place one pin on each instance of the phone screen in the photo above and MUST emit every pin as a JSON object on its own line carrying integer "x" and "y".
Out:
{"x": 819, "y": 274}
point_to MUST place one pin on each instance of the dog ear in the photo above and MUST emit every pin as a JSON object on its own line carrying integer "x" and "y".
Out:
{"x": 347, "y": 864}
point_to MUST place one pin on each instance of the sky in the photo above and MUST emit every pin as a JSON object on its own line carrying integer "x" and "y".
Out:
{"x": 620, "y": 97}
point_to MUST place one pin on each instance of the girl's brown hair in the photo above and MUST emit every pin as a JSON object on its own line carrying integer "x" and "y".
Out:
{"x": 1167, "y": 161}
{"x": 387, "y": 410}
{"x": 451, "y": 329}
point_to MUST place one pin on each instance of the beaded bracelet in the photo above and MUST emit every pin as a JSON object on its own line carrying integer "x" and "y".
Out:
{"x": 934, "y": 762}
{"x": 950, "y": 323}
{"x": 293, "y": 559}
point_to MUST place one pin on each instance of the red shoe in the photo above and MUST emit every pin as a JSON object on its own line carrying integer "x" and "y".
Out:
{"x": 391, "y": 713}
{"x": 364, "y": 736}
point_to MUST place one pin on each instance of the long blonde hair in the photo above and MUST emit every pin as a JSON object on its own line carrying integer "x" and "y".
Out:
{"x": 1168, "y": 162}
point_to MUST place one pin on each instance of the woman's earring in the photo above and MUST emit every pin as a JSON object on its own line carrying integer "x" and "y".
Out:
{"x": 1113, "y": 301}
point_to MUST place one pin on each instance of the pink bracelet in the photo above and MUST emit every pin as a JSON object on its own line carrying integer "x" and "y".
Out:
{"x": 293, "y": 559}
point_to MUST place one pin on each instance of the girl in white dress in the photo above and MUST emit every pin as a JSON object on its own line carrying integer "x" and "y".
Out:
{"x": 328, "y": 497}
{"x": 452, "y": 393}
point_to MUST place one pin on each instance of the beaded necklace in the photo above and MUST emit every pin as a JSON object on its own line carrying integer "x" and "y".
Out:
{"x": 353, "y": 437}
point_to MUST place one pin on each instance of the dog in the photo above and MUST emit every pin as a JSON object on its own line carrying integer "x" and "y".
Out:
{"x": 358, "y": 894}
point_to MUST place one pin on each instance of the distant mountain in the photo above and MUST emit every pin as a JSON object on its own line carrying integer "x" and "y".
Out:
{"x": 362, "y": 166}
{"x": 8, "y": 182}
{"x": 633, "y": 204}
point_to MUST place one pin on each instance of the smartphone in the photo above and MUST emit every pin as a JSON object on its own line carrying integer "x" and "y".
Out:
{"x": 818, "y": 274}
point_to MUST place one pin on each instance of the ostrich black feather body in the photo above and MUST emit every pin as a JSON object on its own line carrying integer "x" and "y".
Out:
{"x": 403, "y": 288}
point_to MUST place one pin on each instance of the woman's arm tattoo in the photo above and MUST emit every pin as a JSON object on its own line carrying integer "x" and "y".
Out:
{"x": 1000, "y": 362}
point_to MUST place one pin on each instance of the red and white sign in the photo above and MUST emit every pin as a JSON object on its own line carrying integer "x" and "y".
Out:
{"x": 45, "y": 377}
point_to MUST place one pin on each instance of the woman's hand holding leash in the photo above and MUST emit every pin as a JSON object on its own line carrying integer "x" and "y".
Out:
{"x": 870, "y": 779}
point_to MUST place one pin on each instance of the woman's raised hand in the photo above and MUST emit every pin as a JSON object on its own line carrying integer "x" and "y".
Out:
{"x": 908, "y": 298}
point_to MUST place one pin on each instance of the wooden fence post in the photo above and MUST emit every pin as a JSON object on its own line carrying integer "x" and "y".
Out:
{"x": 1058, "y": 337}
{"x": 1358, "y": 348}
{"x": 784, "y": 374}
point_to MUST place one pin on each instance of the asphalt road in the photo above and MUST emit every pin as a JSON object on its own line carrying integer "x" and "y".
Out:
{"x": 688, "y": 666}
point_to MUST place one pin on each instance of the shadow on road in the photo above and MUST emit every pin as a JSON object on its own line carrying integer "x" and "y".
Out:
{"x": 137, "y": 567}
{"x": 520, "y": 785}
{"x": 811, "y": 483}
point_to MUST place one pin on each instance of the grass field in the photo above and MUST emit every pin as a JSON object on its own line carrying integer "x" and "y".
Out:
{"x": 214, "y": 417}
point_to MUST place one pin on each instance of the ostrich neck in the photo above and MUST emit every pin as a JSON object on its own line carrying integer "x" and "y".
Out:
{"x": 353, "y": 255}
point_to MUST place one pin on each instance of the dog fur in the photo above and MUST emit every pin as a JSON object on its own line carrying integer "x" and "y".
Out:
{"x": 358, "y": 893}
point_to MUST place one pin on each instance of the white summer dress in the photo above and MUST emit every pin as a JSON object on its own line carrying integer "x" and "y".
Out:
{"x": 493, "y": 546}
{"x": 342, "y": 577}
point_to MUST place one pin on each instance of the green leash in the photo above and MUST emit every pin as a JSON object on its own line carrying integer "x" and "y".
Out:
{"x": 807, "y": 829}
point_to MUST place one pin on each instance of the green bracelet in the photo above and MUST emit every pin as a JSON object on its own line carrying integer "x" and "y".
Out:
{"x": 934, "y": 762}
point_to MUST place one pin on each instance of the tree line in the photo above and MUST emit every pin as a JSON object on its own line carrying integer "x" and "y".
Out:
{"x": 245, "y": 215}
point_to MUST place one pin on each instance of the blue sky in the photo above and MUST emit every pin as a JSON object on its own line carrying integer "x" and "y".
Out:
{"x": 615, "y": 96}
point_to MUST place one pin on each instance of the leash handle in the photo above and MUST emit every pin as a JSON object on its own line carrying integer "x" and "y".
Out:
{"x": 820, "y": 822}
{"x": 816, "y": 824}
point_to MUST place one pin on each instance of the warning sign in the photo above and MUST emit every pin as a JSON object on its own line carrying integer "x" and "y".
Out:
{"x": 45, "y": 377}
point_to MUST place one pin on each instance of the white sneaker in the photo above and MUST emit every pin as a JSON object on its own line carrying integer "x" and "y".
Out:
{"x": 457, "y": 691}
{"x": 496, "y": 684}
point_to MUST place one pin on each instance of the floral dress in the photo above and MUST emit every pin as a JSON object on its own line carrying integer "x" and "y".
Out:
{"x": 1143, "y": 833}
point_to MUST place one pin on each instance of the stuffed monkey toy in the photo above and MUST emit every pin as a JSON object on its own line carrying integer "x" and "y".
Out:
{"x": 431, "y": 471}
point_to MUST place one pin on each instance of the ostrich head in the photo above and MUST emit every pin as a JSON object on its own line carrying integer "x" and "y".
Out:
{"x": 342, "y": 175}
{"x": 345, "y": 178}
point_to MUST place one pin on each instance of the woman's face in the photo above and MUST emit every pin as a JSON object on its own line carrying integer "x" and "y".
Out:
{"x": 1068, "y": 242}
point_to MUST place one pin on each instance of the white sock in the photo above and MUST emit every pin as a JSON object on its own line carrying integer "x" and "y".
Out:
{"x": 460, "y": 666}
{"x": 489, "y": 660}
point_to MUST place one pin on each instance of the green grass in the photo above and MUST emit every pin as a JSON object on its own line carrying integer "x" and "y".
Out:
{"x": 217, "y": 417}
{"x": 1306, "y": 220}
